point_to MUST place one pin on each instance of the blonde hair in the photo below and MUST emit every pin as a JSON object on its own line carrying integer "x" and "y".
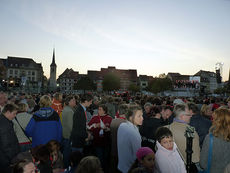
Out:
{"x": 23, "y": 107}
{"x": 221, "y": 123}
{"x": 45, "y": 101}
{"x": 204, "y": 109}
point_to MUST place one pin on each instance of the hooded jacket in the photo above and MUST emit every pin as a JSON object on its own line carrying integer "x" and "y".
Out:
{"x": 168, "y": 161}
{"x": 45, "y": 125}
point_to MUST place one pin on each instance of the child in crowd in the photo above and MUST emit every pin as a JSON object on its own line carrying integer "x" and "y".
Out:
{"x": 55, "y": 154}
{"x": 167, "y": 158}
{"x": 144, "y": 162}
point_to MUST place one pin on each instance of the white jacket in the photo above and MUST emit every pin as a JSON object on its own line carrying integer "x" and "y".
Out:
{"x": 168, "y": 161}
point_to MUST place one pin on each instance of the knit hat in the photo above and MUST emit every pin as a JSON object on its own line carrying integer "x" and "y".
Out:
{"x": 142, "y": 152}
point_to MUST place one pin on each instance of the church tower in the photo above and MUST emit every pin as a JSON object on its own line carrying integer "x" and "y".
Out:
{"x": 53, "y": 68}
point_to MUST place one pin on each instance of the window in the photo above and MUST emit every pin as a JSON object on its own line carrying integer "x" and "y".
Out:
{"x": 11, "y": 71}
{"x": 29, "y": 72}
{"x": 16, "y": 72}
{"x": 33, "y": 73}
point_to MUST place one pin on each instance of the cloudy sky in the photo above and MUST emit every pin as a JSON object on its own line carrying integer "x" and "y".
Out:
{"x": 152, "y": 36}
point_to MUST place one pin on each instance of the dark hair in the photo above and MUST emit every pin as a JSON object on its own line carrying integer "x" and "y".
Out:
{"x": 162, "y": 132}
{"x": 19, "y": 166}
{"x": 123, "y": 108}
{"x": 86, "y": 97}
{"x": 104, "y": 107}
{"x": 9, "y": 107}
{"x": 193, "y": 107}
{"x": 53, "y": 145}
{"x": 41, "y": 153}
{"x": 165, "y": 107}
{"x": 67, "y": 100}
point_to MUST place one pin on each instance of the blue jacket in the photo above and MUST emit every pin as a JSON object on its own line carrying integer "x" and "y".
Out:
{"x": 45, "y": 125}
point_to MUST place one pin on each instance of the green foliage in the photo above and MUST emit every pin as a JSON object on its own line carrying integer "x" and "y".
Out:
{"x": 134, "y": 88}
{"x": 84, "y": 83}
{"x": 111, "y": 82}
{"x": 159, "y": 85}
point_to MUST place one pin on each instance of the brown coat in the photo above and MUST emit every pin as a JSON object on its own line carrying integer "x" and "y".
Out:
{"x": 178, "y": 131}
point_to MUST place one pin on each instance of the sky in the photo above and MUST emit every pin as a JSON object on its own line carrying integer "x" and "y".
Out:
{"x": 152, "y": 36}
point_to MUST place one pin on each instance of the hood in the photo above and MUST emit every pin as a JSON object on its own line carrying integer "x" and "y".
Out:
{"x": 160, "y": 147}
{"x": 44, "y": 112}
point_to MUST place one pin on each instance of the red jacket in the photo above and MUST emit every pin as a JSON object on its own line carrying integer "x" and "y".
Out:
{"x": 100, "y": 140}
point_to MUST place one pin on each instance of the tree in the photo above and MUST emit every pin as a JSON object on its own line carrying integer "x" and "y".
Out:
{"x": 111, "y": 82}
{"x": 134, "y": 88}
{"x": 84, "y": 83}
{"x": 159, "y": 85}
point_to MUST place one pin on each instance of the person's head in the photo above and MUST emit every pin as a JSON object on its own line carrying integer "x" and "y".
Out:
{"x": 10, "y": 111}
{"x": 3, "y": 98}
{"x": 147, "y": 107}
{"x": 156, "y": 111}
{"x": 221, "y": 123}
{"x": 146, "y": 157}
{"x": 193, "y": 109}
{"x": 70, "y": 101}
{"x": 23, "y": 107}
{"x": 182, "y": 113}
{"x": 41, "y": 154}
{"x": 102, "y": 110}
{"x": 166, "y": 112}
{"x": 24, "y": 166}
{"x": 45, "y": 101}
{"x": 58, "y": 96}
{"x": 86, "y": 100}
{"x": 206, "y": 110}
{"x": 89, "y": 164}
{"x": 134, "y": 115}
{"x": 122, "y": 110}
{"x": 164, "y": 137}
{"x": 54, "y": 148}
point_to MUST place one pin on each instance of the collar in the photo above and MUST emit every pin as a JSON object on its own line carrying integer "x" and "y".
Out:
{"x": 83, "y": 107}
{"x": 179, "y": 121}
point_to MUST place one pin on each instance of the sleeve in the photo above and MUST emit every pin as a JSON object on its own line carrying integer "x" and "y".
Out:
{"x": 204, "y": 153}
{"x": 30, "y": 127}
{"x": 80, "y": 124}
{"x": 196, "y": 149}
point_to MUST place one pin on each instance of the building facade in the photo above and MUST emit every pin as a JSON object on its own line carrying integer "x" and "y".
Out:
{"x": 67, "y": 80}
{"x": 23, "y": 74}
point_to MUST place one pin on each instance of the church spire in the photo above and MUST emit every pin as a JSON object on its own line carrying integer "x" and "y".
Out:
{"x": 53, "y": 61}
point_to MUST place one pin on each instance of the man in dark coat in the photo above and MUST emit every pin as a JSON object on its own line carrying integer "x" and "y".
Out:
{"x": 9, "y": 146}
{"x": 79, "y": 134}
{"x": 200, "y": 123}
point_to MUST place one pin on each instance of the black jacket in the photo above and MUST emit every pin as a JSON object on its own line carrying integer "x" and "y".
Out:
{"x": 79, "y": 133}
{"x": 201, "y": 125}
{"x": 9, "y": 146}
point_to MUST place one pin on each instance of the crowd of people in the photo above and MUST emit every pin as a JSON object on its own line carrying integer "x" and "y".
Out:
{"x": 101, "y": 133}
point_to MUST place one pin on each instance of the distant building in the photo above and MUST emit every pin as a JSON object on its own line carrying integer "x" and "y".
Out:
{"x": 127, "y": 77}
{"x": 67, "y": 80}
{"x": 23, "y": 74}
{"x": 53, "y": 74}
{"x": 144, "y": 80}
{"x": 208, "y": 81}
